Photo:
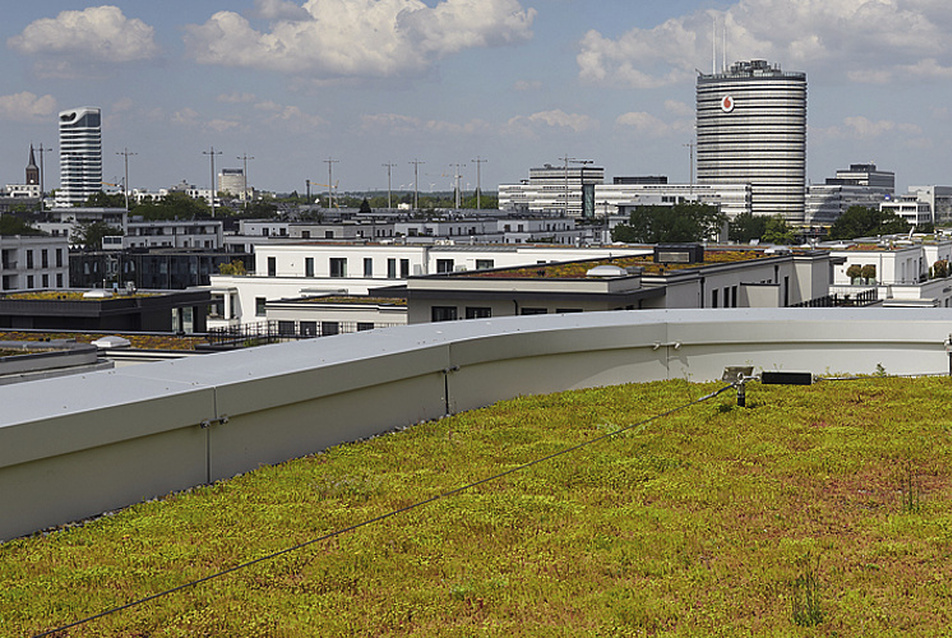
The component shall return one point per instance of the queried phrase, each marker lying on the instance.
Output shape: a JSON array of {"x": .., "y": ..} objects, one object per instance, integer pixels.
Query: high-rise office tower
[
  {"x": 752, "y": 129},
  {"x": 80, "y": 138}
]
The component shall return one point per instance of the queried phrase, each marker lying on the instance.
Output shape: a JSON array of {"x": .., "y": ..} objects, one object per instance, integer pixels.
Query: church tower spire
[{"x": 32, "y": 170}]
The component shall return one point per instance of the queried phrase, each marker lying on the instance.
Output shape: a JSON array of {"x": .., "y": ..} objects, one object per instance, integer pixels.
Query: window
[
  {"x": 478, "y": 312},
  {"x": 305, "y": 234},
  {"x": 368, "y": 267},
  {"x": 329, "y": 328},
  {"x": 733, "y": 296},
  {"x": 44, "y": 258},
  {"x": 714, "y": 298},
  {"x": 533, "y": 311},
  {"x": 404, "y": 268},
  {"x": 443, "y": 313},
  {"x": 29, "y": 281},
  {"x": 338, "y": 266},
  {"x": 444, "y": 265},
  {"x": 286, "y": 328},
  {"x": 59, "y": 280},
  {"x": 259, "y": 306},
  {"x": 308, "y": 266},
  {"x": 272, "y": 266},
  {"x": 391, "y": 269},
  {"x": 29, "y": 259},
  {"x": 328, "y": 234},
  {"x": 485, "y": 264},
  {"x": 46, "y": 281},
  {"x": 567, "y": 310},
  {"x": 364, "y": 325},
  {"x": 308, "y": 328}
]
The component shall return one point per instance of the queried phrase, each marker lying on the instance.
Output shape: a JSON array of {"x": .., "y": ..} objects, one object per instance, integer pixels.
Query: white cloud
[
  {"x": 97, "y": 34},
  {"x": 357, "y": 38},
  {"x": 395, "y": 124},
  {"x": 679, "y": 108},
  {"x": 862, "y": 40},
  {"x": 557, "y": 118},
  {"x": 26, "y": 107},
  {"x": 642, "y": 122},
  {"x": 859, "y": 127},
  {"x": 280, "y": 10},
  {"x": 237, "y": 98}
]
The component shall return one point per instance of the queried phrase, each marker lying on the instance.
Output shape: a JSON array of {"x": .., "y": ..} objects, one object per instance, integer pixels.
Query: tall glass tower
[
  {"x": 80, "y": 139},
  {"x": 752, "y": 129}
]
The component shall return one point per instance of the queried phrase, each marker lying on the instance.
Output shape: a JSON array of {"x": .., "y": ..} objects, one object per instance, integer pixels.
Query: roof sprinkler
[{"x": 739, "y": 376}]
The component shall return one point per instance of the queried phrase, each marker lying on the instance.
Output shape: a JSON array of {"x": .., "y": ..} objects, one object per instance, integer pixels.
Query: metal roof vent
[
  {"x": 112, "y": 341},
  {"x": 98, "y": 293},
  {"x": 607, "y": 270}
]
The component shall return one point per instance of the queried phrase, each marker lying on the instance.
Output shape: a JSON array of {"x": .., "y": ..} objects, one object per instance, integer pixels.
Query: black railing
[
  {"x": 264, "y": 332},
  {"x": 836, "y": 300}
]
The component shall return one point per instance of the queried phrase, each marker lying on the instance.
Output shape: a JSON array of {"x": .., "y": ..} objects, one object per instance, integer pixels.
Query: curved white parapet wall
[{"x": 77, "y": 446}]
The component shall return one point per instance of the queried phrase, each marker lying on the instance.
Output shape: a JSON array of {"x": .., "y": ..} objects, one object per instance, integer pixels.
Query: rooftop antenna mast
[
  {"x": 724, "y": 47},
  {"x": 714, "y": 48}
]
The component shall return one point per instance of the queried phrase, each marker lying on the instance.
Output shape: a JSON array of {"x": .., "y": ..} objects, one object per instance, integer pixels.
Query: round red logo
[{"x": 727, "y": 104}]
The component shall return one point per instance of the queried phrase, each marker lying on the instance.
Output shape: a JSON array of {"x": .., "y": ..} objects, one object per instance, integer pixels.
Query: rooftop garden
[
  {"x": 351, "y": 299},
  {"x": 578, "y": 269},
  {"x": 815, "y": 511},
  {"x": 138, "y": 341},
  {"x": 70, "y": 295}
]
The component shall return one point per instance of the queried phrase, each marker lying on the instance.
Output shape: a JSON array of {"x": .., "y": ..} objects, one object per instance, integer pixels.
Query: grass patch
[{"x": 823, "y": 510}]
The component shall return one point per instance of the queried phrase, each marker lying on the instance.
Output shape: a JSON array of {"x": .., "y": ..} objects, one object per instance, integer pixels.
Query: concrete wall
[{"x": 73, "y": 447}]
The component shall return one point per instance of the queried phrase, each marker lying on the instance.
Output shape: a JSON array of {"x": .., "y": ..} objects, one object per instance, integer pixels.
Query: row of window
[
  {"x": 338, "y": 267},
  {"x": 451, "y": 313},
  {"x": 44, "y": 258},
  {"x": 45, "y": 281}
]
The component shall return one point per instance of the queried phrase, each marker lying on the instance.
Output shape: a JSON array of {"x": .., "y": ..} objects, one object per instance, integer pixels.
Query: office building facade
[
  {"x": 80, "y": 139},
  {"x": 752, "y": 129}
]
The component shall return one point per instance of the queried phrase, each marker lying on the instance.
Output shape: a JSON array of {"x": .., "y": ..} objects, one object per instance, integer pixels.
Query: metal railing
[{"x": 275, "y": 331}]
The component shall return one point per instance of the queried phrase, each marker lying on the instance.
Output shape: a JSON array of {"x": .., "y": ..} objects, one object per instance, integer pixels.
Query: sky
[{"x": 358, "y": 84}]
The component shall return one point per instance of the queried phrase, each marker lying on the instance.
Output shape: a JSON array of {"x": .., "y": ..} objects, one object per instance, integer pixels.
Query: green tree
[
  {"x": 105, "y": 200},
  {"x": 236, "y": 267},
  {"x": 778, "y": 231},
  {"x": 175, "y": 205},
  {"x": 746, "y": 227},
  {"x": 860, "y": 221},
  {"x": 90, "y": 234},
  {"x": 13, "y": 225},
  {"x": 365, "y": 207},
  {"x": 666, "y": 224}
]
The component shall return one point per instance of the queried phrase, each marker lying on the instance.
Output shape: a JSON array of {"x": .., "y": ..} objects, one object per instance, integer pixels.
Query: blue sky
[{"x": 516, "y": 82}]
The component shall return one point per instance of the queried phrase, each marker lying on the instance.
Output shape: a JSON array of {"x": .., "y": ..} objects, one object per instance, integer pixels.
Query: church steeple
[{"x": 32, "y": 170}]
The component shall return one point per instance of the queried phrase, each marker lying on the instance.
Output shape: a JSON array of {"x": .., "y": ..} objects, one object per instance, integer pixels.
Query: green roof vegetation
[
  {"x": 578, "y": 269},
  {"x": 343, "y": 299},
  {"x": 826, "y": 505},
  {"x": 71, "y": 295},
  {"x": 137, "y": 340}
]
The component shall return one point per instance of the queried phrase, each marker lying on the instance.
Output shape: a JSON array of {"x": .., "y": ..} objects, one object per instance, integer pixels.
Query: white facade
[
  {"x": 731, "y": 199},
  {"x": 231, "y": 181},
  {"x": 551, "y": 190},
  {"x": 910, "y": 209},
  {"x": 33, "y": 263},
  {"x": 80, "y": 139},
  {"x": 290, "y": 271},
  {"x": 31, "y": 191},
  {"x": 939, "y": 199},
  {"x": 902, "y": 271},
  {"x": 826, "y": 202},
  {"x": 174, "y": 234}
]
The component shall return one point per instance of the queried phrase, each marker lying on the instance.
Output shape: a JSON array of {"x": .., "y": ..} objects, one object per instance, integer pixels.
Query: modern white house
[
  {"x": 33, "y": 262},
  {"x": 904, "y": 271},
  {"x": 301, "y": 269}
]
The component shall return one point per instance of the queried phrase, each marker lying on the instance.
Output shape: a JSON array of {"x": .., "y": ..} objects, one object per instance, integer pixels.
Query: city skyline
[{"x": 516, "y": 82}]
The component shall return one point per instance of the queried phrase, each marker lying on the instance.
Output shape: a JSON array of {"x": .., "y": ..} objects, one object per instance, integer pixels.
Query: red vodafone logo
[{"x": 727, "y": 104}]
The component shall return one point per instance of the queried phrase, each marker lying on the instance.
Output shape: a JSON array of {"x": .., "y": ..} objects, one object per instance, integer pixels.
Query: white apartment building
[
  {"x": 902, "y": 271},
  {"x": 910, "y": 208},
  {"x": 553, "y": 190},
  {"x": 939, "y": 199},
  {"x": 294, "y": 270},
  {"x": 731, "y": 199},
  {"x": 174, "y": 234},
  {"x": 33, "y": 263}
]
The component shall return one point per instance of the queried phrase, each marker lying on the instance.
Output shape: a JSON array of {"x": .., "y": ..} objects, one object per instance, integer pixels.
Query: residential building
[
  {"x": 670, "y": 277},
  {"x": 149, "y": 268},
  {"x": 30, "y": 262},
  {"x": 939, "y": 199},
  {"x": 321, "y": 316},
  {"x": 80, "y": 140},
  {"x": 166, "y": 233},
  {"x": 730, "y": 199},
  {"x": 751, "y": 129},
  {"x": 910, "y": 208}
]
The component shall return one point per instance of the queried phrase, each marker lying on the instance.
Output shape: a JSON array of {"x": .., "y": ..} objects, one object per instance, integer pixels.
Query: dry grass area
[{"x": 819, "y": 511}]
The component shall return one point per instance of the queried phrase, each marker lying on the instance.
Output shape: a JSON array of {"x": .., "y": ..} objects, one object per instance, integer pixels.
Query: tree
[
  {"x": 778, "y": 231},
  {"x": 365, "y": 207},
  {"x": 854, "y": 271},
  {"x": 236, "y": 267},
  {"x": 13, "y": 225},
  {"x": 684, "y": 222},
  {"x": 90, "y": 234},
  {"x": 868, "y": 273},
  {"x": 940, "y": 269},
  {"x": 746, "y": 227},
  {"x": 860, "y": 221},
  {"x": 106, "y": 200},
  {"x": 175, "y": 205}
]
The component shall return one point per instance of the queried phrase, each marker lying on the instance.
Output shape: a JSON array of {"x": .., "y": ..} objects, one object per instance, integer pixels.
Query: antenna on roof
[
  {"x": 724, "y": 48},
  {"x": 714, "y": 47}
]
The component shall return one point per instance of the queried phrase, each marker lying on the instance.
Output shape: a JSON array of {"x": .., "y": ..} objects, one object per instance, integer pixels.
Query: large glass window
[
  {"x": 473, "y": 312},
  {"x": 444, "y": 265},
  {"x": 338, "y": 266},
  {"x": 368, "y": 267},
  {"x": 391, "y": 268},
  {"x": 329, "y": 328},
  {"x": 443, "y": 313},
  {"x": 404, "y": 268},
  {"x": 485, "y": 264},
  {"x": 259, "y": 306},
  {"x": 308, "y": 266},
  {"x": 272, "y": 266}
]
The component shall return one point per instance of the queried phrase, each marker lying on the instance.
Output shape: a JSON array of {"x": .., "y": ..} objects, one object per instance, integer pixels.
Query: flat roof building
[{"x": 80, "y": 138}]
